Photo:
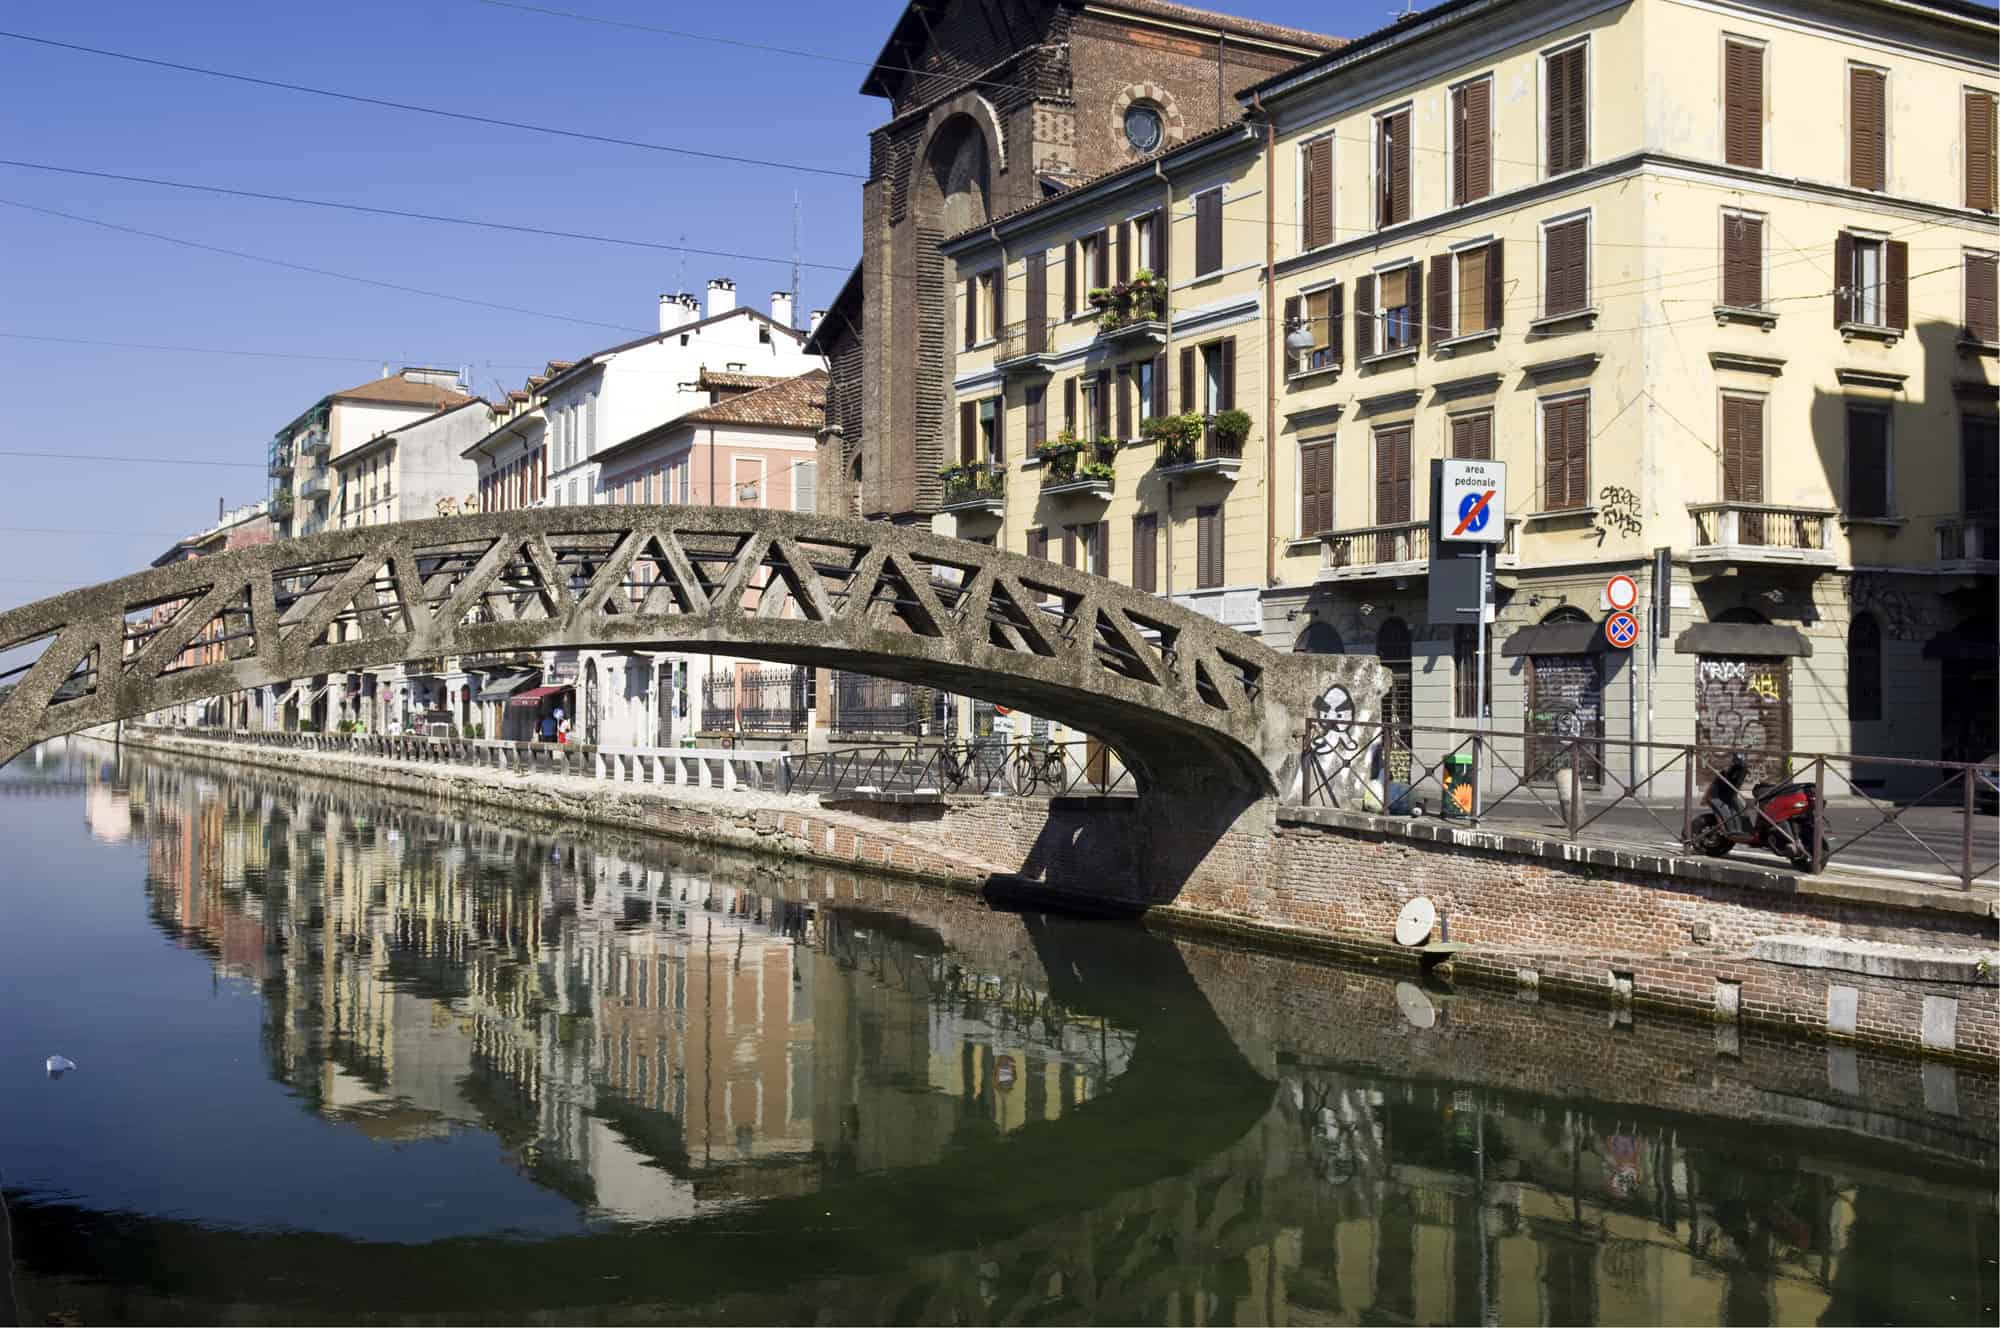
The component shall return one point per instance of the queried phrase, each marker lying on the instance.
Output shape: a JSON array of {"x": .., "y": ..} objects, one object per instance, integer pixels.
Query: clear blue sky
[{"x": 64, "y": 278}]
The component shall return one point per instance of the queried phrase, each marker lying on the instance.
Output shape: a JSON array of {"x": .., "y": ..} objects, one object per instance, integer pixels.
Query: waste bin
[{"x": 1458, "y": 783}]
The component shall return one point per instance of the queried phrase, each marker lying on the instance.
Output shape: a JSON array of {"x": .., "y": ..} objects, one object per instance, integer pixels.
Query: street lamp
[{"x": 1299, "y": 338}]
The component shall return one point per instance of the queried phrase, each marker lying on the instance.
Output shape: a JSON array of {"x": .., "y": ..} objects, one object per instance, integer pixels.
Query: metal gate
[
  {"x": 1565, "y": 702},
  {"x": 1743, "y": 703}
]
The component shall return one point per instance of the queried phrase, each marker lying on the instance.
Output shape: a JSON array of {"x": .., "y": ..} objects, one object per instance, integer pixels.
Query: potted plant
[
  {"x": 1097, "y": 470},
  {"x": 1059, "y": 456},
  {"x": 1231, "y": 428},
  {"x": 1174, "y": 435}
]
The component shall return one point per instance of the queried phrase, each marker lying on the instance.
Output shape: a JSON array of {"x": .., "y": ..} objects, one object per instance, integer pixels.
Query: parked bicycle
[{"x": 1041, "y": 767}]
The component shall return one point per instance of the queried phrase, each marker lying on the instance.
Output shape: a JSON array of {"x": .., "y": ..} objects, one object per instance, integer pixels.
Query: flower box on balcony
[
  {"x": 974, "y": 487},
  {"x": 1131, "y": 308}
]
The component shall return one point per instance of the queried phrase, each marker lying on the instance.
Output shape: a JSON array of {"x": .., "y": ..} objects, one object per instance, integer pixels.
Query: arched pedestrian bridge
[{"x": 1188, "y": 704}]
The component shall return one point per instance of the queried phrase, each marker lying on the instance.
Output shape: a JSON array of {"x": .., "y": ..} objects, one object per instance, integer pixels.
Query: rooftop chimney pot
[{"x": 721, "y": 296}]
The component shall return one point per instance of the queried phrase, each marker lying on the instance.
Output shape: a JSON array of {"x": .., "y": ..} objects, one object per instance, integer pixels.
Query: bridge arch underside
[{"x": 1186, "y": 703}]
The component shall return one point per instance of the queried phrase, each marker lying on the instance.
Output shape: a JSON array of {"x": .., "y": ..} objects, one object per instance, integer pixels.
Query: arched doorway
[
  {"x": 1319, "y": 638},
  {"x": 1565, "y": 713},
  {"x": 1392, "y": 645}
]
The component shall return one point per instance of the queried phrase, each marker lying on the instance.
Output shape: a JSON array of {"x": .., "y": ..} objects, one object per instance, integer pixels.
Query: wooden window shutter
[
  {"x": 1158, "y": 405},
  {"x": 1555, "y": 453},
  {"x": 1227, "y": 396},
  {"x": 1567, "y": 114},
  {"x": 1294, "y": 310},
  {"x": 1392, "y": 476},
  {"x": 1208, "y": 232},
  {"x": 1440, "y": 320},
  {"x": 1124, "y": 390},
  {"x": 1100, "y": 415},
  {"x": 1069, "y": 546},
  {"x": 1100, "y": 558},
  {"x": 1981, "y": 190},
  {"x": 1866, "y": 122},
  {"x": 1037, "y": 312},
  {"x": 1472, "y": 152},
  {"x": 1472, "y": 437},
  {"x": 1319, "y": 192},
  {"x": 1566, "y": 284},
  {"x": 1399, "y": 179},
  {"x": 1069, "y": 280},
  {"x": 999, "y": 428},
  {"x": 1038, "y": 418},
  {"x": 1208, "y": 546},
  {"x": 999, "y": 300},
  {"x": 1100, "y": 260},
  {"x": 1982, "y": 297},
  {"x": 1315, "y": 488},
  {"x": 1069, "y": 405},
  {"x": 1897, "y": 297},
  {"x": 1496, "y": 285},
  {"x": 1458, "y": 145},
  {"x": 1843, "y": 278},
  {"x": 1867, "y": 463},
  {"x": 1038, "y": 543},
  {"x": 1364, "y": 316},
  {"x": 1743, "y": 261},
  {"x": 1187, "y": 379},
  {"x": 971, "y": 311},
  {"x": 1124, "y": 251},
  {"x": 1978, "y": 464},
  {"x": 1742, "y": 450},
  {"x": 1145, "y": 551},
  {"x": 1743, "y": 104},
  {"x": 1576, "y": 433},
  {"x": 968, "y": 431},
  {"x": 1163, "y": 229}
]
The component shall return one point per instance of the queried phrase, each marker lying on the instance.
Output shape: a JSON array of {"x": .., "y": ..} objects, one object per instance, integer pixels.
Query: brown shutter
[
  {"x": 1472, "y": 437},
  {"x": 1100, "y": 415},
  {"x": 1100, "y": 561},
  {"x": 1334, "y": 329},
  {"x": 968, "y": 432},
  {"x": 1978, "y": 464},
  {"x": 1227, "y": 396},
  {"x": 1158, "y": 405},
  {"x": 1294, "y": 307},
  {"x": 1319, "y": 192},
  {"x": 1163, "y": 228},
  {"x": 1982, "y": 298},
  {"x": 1843, "y": 278},
  {"x": 1000, "y": 300},
  {"x": 999, "y": 428},
  {"x": 1399, "y": 179},
  {"x": 1187, "y": 379},
  {"x": 1038, "y": 418},
  {"x": 1576, "y": 433},
  {"x": 1865, "y": 123},
  {"x": 1496, "y": 285},
  {"x": 1980, "y": 186},
  {"x": 1897, "y": 311},
  {"x": 1578, "y": 108},
  {"x": 1124, "y": 251},
  {"x": 1038, "y": 543},
  {"x": 1567, "y": 113},
  {"x": 1208, "y": 546},
  {"x": 1743, "y": 261},
  {"x": 1124, "y": 390},
  {"x": 1867, "y": 462},
  {"x": 1315, "y": 488},
  {"x": 1459, "y": 146},
  {"x": 1743, "y": 104},
  {"x": 1069, "y": 280},
  {"x": 1100, "y": 260},
  {"x": 1037, "y": 312},
  {"x": 1145, "y": 551},
  {"x": 1069, "y": 546},
  {"x": 1069, "y": 405},
  {"x": 1414, "y": 298},
  {"x": 1441, "y": 326},
  {"x": 1476, "y": 133},
  {"x": 1555, "y": 451},
  {"x": 1742, "y": 450},
  {"x": 1565, "y": 284},
  {"x": 1208, "y": 232},
  {"x": 971, "y": 311},
  {"x": 1364, "y": 316},
  {"x": 1392, "y": 475}
]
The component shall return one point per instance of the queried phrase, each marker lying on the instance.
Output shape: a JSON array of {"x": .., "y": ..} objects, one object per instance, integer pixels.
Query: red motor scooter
[{"x": 1779, "y": 817}]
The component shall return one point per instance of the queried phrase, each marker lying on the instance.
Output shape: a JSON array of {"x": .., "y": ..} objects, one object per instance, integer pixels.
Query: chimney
[
  {"x": 690, "y": 308},
  {"x": 670, "y": 312},
  {"x": 781, "y": 308},
  {"x": 812, "y": 321},
  {"x": 721, "y": 296}
]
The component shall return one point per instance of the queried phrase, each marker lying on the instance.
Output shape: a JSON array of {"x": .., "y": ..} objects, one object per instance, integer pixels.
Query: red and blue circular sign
[{"x": 1621, "y": 629}]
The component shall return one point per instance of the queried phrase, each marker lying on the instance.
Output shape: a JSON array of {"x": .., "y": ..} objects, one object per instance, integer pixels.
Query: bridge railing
[
  {"x": 1570, "y": 782},
  {"x": 992, "y": 768}
]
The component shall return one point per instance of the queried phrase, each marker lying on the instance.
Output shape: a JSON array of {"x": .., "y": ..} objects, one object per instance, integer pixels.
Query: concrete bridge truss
[{"x": 1185, "y": 701}]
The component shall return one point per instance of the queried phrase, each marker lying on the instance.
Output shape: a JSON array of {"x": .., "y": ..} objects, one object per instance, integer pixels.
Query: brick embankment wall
[{"x": 1612, "y": 928}]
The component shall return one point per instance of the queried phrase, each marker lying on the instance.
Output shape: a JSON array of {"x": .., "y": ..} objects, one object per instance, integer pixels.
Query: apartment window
[
  {"x": 1392, "y": 475},
  {"x": 1466, "y": 290},
  {"x": 1321, "y": 313},
  {"x": 1979, "y": 465},
  {"x": 1208, "y": 376},
  {"x": 1069, "y": 405},
  {"x": 1208, "y": 232},
  {"x": 1743, "y": 103},
  {"x": 1742, "y": 259},
  {"x": 1982, "y": 297},
  {"x": 1565, "y": 266},
  {"x": 1867, "y": 127},
  {"x": 1315, "y": 487},
  {"x": 1392, "y": 167},
  {"x": 1208, "y": 560},
  {"x": 1874, "y": 273},
  {"x": 1472, "y": 436},
  {"x": 1038, "y": 416},
  {"x": 590, "y": 425},
  {"x": 1867, "y": 461},
  {"x": 1149, "y": 252},
  {"x": 1122, "y": 386},
  {"x": 1146, "y": 386},
  {"x": 1465, "y": 662},
  {"x": 1098, "y": 389},
  {"x": 969, "y": 430},
  {"x": 1146, "y": 551},
  {"x": 1075, "y": 255},
  {"x": 1864, "y": 669},
  {"x": 1471, "y": 141},
  {"x": 989, "y": 430},
  {"x": 1316, "y": 191},
  {"x": 1566, "y": 122},
  {"x": 1743, "y": 459},
  {"x": 1398, "y": 293},
  {"x": 1095, "y": 537},
  {"x": 1980, "y": 175},
  {"x": 1038, "y": 543},
  {"x": 1566, "y": 453},
  {"x": 981, "y": 307}
]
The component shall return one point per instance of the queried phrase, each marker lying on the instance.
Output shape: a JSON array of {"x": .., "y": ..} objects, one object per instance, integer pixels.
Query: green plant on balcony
[
  {"x": 1101, "y": 470},
  {"x": 970, "y": 480},
  {"x": 1175, "y": 437},
  {"x": 1143, "y": 299},
  {"x": 1059, "y": 455},
  {"x": 1230, "y": 428}
]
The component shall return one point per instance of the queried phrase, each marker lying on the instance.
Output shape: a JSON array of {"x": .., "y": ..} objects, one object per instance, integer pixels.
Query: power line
[
  {"x": 412, "y": 216},
  {"x": 412, "y": 108},
  {"x": 316, "y": 271},
  {"x": 682, "y": 33},
  {"x": 194, "y": 350}
]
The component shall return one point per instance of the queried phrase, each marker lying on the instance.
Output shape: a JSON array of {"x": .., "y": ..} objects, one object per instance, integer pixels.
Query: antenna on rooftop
[
  {"x": 681, "y": 276},
  {"x": 798, "y": 298}
]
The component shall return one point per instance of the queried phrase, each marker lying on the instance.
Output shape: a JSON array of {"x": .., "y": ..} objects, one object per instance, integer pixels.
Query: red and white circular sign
[{"x": 1621, "y": 592}]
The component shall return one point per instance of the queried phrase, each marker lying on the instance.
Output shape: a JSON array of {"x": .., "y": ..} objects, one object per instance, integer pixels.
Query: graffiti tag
[{"x": 1617, "y": 509}]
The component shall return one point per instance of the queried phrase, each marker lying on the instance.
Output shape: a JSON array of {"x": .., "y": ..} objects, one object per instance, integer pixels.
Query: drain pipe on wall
[{"x": 1270, "y": 342}]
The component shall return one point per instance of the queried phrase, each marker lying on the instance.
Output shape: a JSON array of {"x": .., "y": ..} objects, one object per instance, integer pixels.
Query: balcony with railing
[
  {"x": 1970, "y": 539},
  {"x": 1025, "y": 347},
  {"x": 314, "y": 443},
  {"x": 280, "y": 463},
  {"x": 1191, "y": 445},
  {"x": 1071, "y": 466},
  {"x": 1401, "y": 548},
  {"x": 316, "y": 486},
  {"x": 1762, "y": 532},
  {"x": 974, "y": 487},
  {"x": 1132, "y": 311}
]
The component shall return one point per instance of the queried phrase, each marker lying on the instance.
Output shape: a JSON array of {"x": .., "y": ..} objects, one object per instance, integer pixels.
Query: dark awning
[
  {"x": 502, "y": 686},
  {"x": 534, "y": 695},
  {"x": 1570, "y": 638},
  {"x": 1742, "y": 639}
]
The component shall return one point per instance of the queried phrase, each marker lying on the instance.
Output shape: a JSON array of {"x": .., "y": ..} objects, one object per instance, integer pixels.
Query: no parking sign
[{"x": 1621, "y": 629}]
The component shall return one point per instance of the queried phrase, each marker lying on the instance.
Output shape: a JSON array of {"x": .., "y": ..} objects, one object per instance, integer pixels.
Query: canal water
[{"x": 344, "y": 1056}]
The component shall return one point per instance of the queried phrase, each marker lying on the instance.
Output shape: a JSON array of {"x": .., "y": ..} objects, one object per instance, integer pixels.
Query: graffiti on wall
[
  {"x": 1741, "y": 706},
  {"x": 1343, "y": 752},
  {"x": 1617, "y": 509}
]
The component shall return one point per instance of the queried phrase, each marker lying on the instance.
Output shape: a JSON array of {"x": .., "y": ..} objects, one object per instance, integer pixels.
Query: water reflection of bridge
[{"x": 592, "y": 1023}]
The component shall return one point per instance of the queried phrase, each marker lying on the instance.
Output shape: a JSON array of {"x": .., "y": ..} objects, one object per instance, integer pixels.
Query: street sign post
[
  {"x": 1621, "y": 629},
  {"x": 1621, "y": 593},
  {"x": 1472, "y": 509}
]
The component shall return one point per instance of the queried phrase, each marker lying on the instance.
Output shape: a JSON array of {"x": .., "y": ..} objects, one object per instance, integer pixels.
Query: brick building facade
[{"x": 996, "y": 104}]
